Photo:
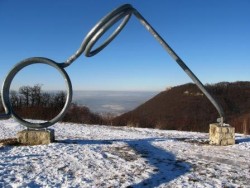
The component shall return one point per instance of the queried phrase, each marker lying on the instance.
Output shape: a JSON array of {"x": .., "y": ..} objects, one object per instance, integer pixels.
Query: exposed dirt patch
[{"x": 9, "y": 142}]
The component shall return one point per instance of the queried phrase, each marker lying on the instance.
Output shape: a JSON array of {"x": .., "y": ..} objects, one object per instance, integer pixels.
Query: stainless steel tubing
[
  {"x": 6, "y": 91},
  {"x": 99, "y": 29},
  {"x": 123, "y": 12}
]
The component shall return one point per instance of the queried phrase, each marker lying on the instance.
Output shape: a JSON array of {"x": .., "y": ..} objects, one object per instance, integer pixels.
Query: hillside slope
[{"x": 186, "y": 108}]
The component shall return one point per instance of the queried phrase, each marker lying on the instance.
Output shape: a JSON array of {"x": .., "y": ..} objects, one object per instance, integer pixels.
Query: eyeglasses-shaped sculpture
[{"x": 123, "y": 13}]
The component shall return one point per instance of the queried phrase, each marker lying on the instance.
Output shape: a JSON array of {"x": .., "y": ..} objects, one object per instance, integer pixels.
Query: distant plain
[{"x": 115, "y": 102}]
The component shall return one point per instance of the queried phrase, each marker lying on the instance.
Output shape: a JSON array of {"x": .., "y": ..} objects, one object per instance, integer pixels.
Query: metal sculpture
[{"x": 123, "y": 12}]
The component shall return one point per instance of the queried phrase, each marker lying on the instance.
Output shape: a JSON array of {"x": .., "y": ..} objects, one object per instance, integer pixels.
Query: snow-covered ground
[{"x": 103, "y": 156}]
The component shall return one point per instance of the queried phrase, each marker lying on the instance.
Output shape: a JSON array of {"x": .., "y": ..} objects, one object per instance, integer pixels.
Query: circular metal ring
[
  {"x": 103, "y": 25},
  {"x": 12, "y": 74}
]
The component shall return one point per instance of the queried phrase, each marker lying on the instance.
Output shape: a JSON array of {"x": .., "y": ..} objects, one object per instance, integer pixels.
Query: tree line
[
  {"x": 33, "y": 96},
  {"x": 32, "y": 102}
]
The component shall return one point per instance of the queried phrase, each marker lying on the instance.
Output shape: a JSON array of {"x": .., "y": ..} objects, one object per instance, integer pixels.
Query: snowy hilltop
[{"x": 104, "y": 156}]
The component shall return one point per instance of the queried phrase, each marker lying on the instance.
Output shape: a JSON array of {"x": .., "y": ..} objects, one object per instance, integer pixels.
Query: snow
[{"x": 105, "y": 156}]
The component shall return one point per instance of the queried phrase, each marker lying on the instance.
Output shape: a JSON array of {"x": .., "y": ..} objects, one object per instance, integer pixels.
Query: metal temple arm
[{"x": 179, "y": 61}]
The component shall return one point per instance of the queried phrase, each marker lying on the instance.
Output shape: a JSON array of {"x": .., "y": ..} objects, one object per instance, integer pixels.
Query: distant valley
[{"x": 115, "y": 102}]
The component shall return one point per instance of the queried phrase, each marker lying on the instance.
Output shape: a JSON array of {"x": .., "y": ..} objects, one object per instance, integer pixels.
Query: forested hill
[{"x": 185, "y": 107}]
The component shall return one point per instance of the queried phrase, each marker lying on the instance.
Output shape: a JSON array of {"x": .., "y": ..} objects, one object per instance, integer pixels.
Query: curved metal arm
[
  {"x": 125, "y": 11},
  {"x": 99, "y": 29}
]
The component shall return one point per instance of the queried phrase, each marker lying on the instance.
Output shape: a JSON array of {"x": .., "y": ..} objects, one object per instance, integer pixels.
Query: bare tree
[
  {"x": 107, "y": 118},
  {"x": 59, "y": 99},
  {"x": 26, "y": 92},
  {"x": 36, "y": 95},
  {"x": 246, "y": 128},
  {"x": 14, "y": 98},
  {"x": 45, "y": 99}
]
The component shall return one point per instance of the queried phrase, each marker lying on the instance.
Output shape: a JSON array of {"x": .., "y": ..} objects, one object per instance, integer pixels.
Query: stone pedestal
[
  {"x": 36, "y": 137},
  {"x": 221, "y": 135}
]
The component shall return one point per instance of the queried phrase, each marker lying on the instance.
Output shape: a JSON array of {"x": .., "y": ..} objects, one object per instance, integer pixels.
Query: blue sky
[{"x": 212, "y": 37}]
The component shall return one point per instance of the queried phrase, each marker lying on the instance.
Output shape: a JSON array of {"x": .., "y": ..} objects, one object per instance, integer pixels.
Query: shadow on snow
[
  {"x": 242, "y": 139},
  {"x": 167, "y": 167}
]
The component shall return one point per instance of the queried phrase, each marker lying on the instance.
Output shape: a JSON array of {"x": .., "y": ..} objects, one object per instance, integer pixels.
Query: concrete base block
[
  {"x": 36, "y": 137},
  {"x": 221, "y": 135}
]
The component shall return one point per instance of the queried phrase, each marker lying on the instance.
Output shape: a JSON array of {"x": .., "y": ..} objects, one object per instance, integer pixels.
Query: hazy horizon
[
  {"x": 108, "y": 102},
  {"x": 115, "y": 102}
]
